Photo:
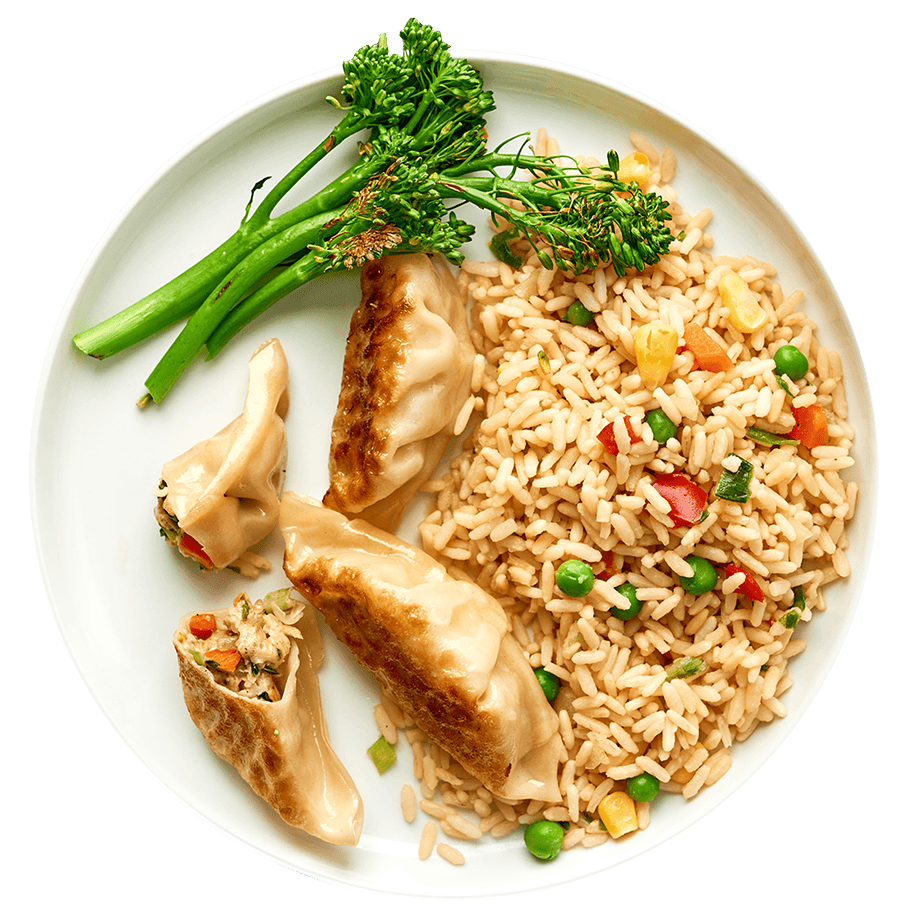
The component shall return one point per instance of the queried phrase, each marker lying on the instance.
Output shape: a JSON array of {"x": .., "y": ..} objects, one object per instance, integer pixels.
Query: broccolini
[{"x": 424, "y": 153}]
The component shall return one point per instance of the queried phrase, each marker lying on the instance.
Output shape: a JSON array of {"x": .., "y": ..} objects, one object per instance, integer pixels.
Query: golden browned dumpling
[
  {"x": 220, "y": 498},
  {"x": 407, "y": 374},
  {"x": 439, "y": 645},
  {"x": 249, "y": 677}
]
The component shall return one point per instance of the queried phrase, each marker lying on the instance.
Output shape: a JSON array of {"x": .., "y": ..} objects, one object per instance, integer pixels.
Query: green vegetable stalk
[{"x": 423, "y": 153}]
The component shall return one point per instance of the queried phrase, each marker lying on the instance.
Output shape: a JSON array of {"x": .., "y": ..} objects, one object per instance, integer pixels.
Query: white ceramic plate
[{"x": 118, "y": 592}]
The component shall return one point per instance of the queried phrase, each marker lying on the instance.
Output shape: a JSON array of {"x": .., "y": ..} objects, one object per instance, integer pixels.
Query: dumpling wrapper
[
  {"x": 224, "y": 492},
  {"x": 440, "y": 646},
  {"x": 407, "y": 374},
  {"x": 281, "y": 748}
]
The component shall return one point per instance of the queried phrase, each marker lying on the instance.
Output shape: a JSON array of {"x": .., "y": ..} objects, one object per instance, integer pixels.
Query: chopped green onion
[
  {"x": 759, "y": 435},
  {"x": 735, "y": 485},
  {"x": 282, "y": 598},
  {"x": 197, "y": 657},
  {"x": 790, "y": 619},
  {"x": 544, "y": 362},
  {"x": 685, "y": 667},
  {"x": 382, "y": 754},
  {"x": 783, "y": 383},
  {"x": 799, "y": 604}
]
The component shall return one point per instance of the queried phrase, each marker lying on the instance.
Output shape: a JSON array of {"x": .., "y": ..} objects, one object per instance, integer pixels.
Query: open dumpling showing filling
[
  {"x": 221, "y": 497},
  {"x": 250, "y": 683},
  {"x": 407, "y": 374},
  {"x": 439, "y": 645}
]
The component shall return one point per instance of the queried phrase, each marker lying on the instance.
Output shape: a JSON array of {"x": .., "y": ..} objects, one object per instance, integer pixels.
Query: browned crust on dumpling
[
  {"x": 240, "y": 731},
  {"x": 369, "y": 382},
  {"x": 379, "y": 635}
]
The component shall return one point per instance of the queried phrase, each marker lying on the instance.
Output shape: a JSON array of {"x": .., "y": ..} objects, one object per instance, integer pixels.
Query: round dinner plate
[{"x": 118, "y": 592}]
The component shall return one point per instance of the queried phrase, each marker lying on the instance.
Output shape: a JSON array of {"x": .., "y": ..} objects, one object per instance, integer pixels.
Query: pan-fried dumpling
[
  {"x": 406, "y": 376},
  {"x": 221, "y": 497},
  {"x": 440, "y": 646},
  {"x": 249, "y": 677}
]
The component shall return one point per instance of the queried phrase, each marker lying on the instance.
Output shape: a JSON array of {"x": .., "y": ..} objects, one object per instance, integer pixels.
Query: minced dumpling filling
[{"x": 245, "y": 647}]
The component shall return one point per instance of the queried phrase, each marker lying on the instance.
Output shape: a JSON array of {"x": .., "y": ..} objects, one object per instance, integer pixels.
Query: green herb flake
[
  {"x": 382, "y": 754},
  {"x": 735, "y": 485},
  {"x": 499, "y": 246},
  {"x": 197, "y": 657},
  {"x": 685, "y": 667},
  {"x": 759, "y": 435},
  {"x": 790, "y": 619}
]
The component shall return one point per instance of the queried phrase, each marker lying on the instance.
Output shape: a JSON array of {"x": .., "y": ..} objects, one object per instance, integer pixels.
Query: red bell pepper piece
[
  {"x": 202, "y": 625},
  {"x": 192, "y": 548},
  {"x": 608, "y": 437},
  {"x": 686, "y": 499},
  {"x": 750, "y": 588},
  {"x": 607, "y": 568},
  {"x": 811, "y": 427}
]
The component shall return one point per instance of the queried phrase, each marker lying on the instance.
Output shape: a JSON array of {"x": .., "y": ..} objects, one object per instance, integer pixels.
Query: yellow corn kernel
[
  {"x": 744, "y": 311},
  {"x": 634, "y": 167},
  {"x": 618, "y": 813},
  {"x": 655, "y": 348}
]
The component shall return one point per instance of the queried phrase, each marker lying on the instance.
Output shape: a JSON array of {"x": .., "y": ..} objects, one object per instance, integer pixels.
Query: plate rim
[{"x": 58, "y": 341}]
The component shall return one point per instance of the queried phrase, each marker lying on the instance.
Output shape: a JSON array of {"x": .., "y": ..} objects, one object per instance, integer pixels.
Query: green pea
[
  {"x": 662, "y": 428},
  {"x": 703, "y": 577},
  {"x": 549, "y": 684},
  {"x": 643, "y": 787},
  {"x": 578, "y": 314},
  {"x": 544, "y": 838},
  {"x": 790, "y": 362},
  {"x": 627, "y": 613},
  {"x": 574, "y": 578}
]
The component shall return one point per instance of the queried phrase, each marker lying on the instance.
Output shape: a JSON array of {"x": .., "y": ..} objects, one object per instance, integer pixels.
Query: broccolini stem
[
  {"x": 225, "y": 295},
  {"x": 181, "y": 296},
  {"x": 290, "y": 279},
  {"x": 352, "y": 123},
  {"x": 155, "y": 312}
]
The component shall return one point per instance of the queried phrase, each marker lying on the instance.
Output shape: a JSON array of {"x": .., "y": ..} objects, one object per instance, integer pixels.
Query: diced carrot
[
  {"x": 226, "y": 658},
  {"x": 709, "y": 353},
  {"x": 811, "y": 427},
  {"x": 608, "y": 437},
  {"x": 202, "y": 625}
]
